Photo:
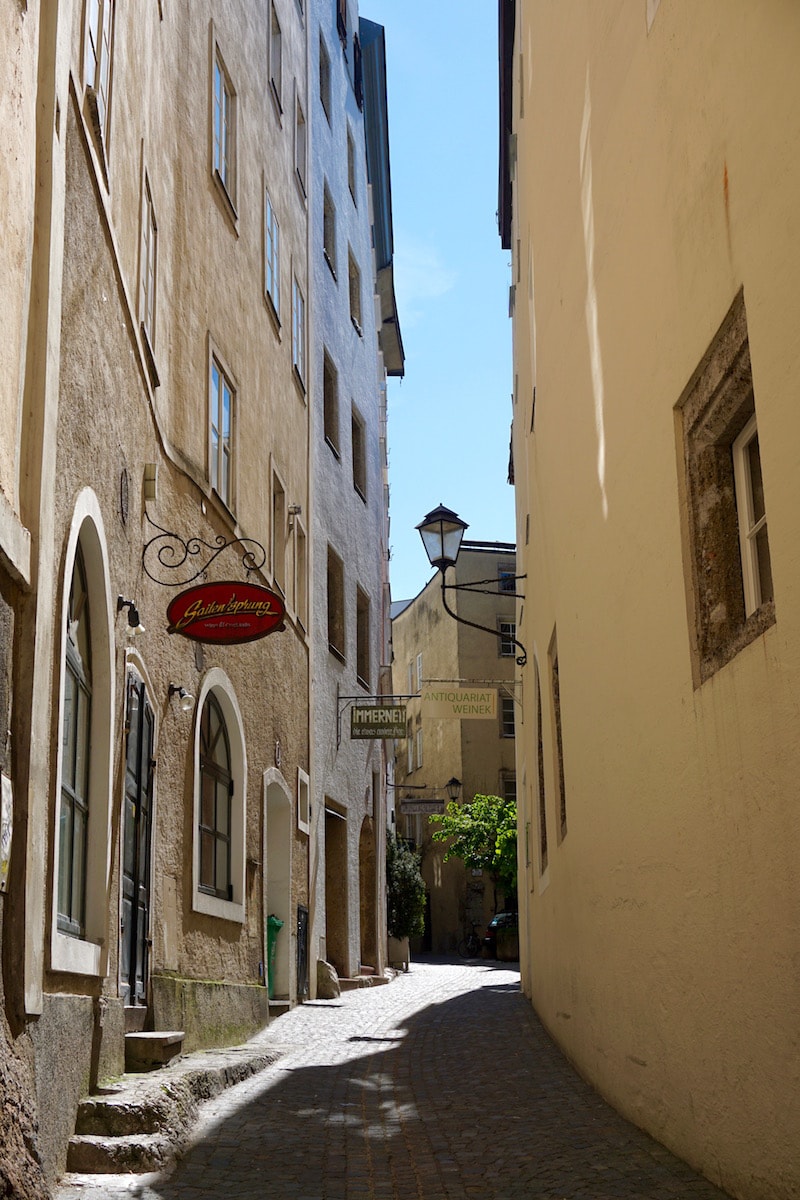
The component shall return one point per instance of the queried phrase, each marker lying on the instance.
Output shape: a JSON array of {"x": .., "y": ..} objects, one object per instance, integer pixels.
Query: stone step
[
  {"x": 145, "y": 1051},
  {"x": 94, "y": 1154},
  {"x": 135, "y": 1017}
]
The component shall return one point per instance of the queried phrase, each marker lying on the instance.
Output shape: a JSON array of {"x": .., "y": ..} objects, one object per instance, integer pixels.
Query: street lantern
[
  {"x": 453, "y": 788},
  {"x": 441, "y": 532}
]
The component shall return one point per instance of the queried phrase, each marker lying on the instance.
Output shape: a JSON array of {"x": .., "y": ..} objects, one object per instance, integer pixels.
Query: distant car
[{"x": 504, "y": 920}]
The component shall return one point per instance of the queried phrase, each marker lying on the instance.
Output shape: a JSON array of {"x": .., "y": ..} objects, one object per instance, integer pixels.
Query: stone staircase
[{"x": 142, "y": 1122}]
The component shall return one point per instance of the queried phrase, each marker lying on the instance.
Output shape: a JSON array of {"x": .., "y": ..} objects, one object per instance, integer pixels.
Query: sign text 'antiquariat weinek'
[{"x": 226, "y": 613}]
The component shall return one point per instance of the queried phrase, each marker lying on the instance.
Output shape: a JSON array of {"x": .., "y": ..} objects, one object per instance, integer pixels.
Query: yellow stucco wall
[{"x": 655, "y": 177}]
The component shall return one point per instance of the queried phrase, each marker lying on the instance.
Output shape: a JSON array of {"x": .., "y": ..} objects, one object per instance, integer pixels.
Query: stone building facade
[
  {"x": 649, "y": 203},
  {"x": 158, "y": 406},
  {"x": 432, "y": 650}
]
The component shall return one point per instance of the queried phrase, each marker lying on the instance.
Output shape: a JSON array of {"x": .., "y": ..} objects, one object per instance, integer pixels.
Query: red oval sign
[{"x": 229, "y": 612}]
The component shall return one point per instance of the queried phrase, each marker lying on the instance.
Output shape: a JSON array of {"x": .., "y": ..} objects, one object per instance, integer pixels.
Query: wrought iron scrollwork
[{"x": 168, "y": 552}]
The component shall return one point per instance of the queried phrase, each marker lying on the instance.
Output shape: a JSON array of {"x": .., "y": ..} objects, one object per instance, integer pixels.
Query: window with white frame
[
  {"x": 300, "y": 143},
  {"x": 276, "y": 58},
  {"x": 419, "y": 671},
  {"x": 83, "y": 798},
  {"x": 148, "y": 264},
  {"x": 221, "y": 402},
  {"x": 97, "y": 63},
  {"x": 272, "y": 261},
  {"x": 409, "y": 749},
  {"x": 506, "y": 577},
  {"x": 298, "y": 331},
  {"x": 224, "y": 128},
  {"x": 411, "y": 687},
  {"x": 753, "y": 543},
  {"x": 219, "y": 802},
  {"x": 279, "y": 531},
  {"x": 303, "y": 802},
  {"x": 508, "y": 632},
  {"x": 419, "y": 749}
]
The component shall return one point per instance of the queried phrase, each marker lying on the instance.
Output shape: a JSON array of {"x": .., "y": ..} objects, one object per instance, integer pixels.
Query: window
[
  {"x": 298, "y": 331},
  {"x": 330, "y": 403},
  {"x": 329, "y": 230},
  {"x": 301, "y": 574},
  {"x": 218, "y": 875},
  {"x": 278, "y": 534},
  {"x": 555, "y": 685},
  {"x": 325, "y": 77},
  {"x": 97, "y": 64},
  {"x": 411, "y": 688},
  {"x": 419, "y": 672},
  {"x": 351, "y": 164},
  {"x": 83, "y": 797},
  {"x": 419, "y": 749},
  {"x": 508, "y": 632},
  {"x": 354, "y": 276},
  {"x": 506, "y": 581},
  {"x": 303, "y": 802},
  {"x": 336, "y": 643},
  {"x": 76, "y": 756},
  {"x": 341, "y": 22},
  {"x": 362, "y": 638},
  {"x": 540, "y": 775},
  {"x": 221, "y": 433},
  {"x": 409, "y": 749},
  {"x": 726, "y": 550},
  {"x": 508, "y": 787},
  {"x": 276, "y": 58},
  {"x": 358, "y": 73},
  {"x": 359, "y": 438},
  {"x": 272, "y": 255},
  {"x": 753, "y": 544},
  {"x": 300, "y": 144},
  {"x": 216, "y": 792},
  {"x": 507, "y": 716},
  {"x": 148, "y": 262},
  {"x": 224, "y": 128}
]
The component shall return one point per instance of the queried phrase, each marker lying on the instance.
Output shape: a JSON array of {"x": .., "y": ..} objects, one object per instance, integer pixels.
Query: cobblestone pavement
[{"x": 442, "y": 1084}]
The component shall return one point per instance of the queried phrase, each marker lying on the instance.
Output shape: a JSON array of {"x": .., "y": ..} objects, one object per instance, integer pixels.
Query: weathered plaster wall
[{"x": 662, "y": 939}]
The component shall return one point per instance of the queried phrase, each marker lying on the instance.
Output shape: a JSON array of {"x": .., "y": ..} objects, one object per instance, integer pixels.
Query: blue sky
[{"x": 449, "y": 419}]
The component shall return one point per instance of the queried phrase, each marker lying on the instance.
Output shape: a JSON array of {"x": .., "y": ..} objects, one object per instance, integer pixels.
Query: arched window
[
  {"x": 216, "y": 793},
  {"x": 75, "y": 733}
]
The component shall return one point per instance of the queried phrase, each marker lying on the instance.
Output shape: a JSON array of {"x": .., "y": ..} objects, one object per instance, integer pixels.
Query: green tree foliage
[
  {"x": 483, "y": 833},
  {"x": 405, "y": 889}
]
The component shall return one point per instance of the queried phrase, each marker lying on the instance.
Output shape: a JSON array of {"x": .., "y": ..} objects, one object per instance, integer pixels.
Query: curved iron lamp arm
[{"x": 521, "y": 659}]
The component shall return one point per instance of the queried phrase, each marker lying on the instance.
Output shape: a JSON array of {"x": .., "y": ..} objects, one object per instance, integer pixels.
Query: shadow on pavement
[{"x": 470, "y": 1098}]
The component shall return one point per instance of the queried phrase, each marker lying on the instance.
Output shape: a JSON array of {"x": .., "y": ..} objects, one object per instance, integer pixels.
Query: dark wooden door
[{"x": 136, "y": 834}]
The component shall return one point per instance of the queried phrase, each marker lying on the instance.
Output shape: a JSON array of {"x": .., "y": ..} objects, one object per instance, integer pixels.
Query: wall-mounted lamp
[
  {"x": 441, "y": 532},
  {"x": 453, "y": 789},
  {"x": 134, "y": 623},
  {"x": 185, "y": 700}
]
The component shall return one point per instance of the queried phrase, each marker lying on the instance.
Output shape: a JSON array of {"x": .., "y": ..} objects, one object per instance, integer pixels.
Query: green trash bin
[{"x": 274, "y": 926}]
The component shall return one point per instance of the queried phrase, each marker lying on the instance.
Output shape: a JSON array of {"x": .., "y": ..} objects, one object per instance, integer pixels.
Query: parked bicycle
[{"x": 470, "y": 944}]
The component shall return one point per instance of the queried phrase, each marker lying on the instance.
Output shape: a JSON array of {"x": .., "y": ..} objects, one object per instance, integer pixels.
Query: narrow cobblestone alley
[{"x": 441, "y": 1085}]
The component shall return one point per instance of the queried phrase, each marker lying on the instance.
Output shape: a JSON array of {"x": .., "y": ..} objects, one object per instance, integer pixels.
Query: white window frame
[
  {"x": 749, "y": 527},
  {"x": 409, "y": 749},
  {"x": 87, "y": 955},
  {"x": 216, "y": 429},
  {"x": 508, "y": 728},
  {"x": 303, "y": 802},
  {"x": 298, "y": 330},
  {"x": 272, "y": 255},
  {"x": 97, "y": 53},
  {"x": 217, "y": 681},
  {"x": 223, "y": 125},
  {"x": 508, "y": 632},
  {"x": 148, "y": 264},
  {"x": 419, "y": 671},
  {"x": 419, "y": 748}
]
